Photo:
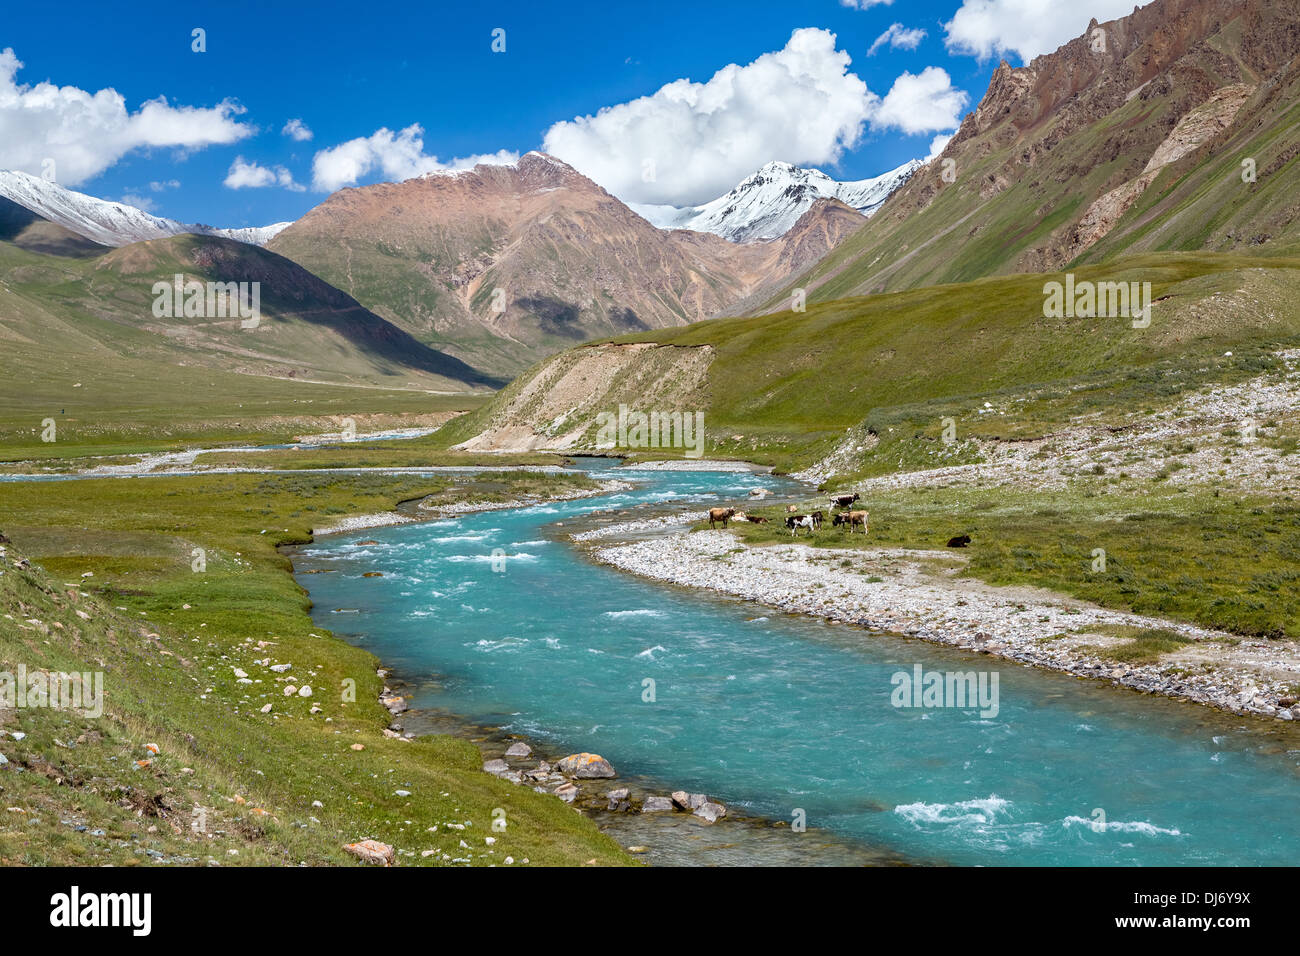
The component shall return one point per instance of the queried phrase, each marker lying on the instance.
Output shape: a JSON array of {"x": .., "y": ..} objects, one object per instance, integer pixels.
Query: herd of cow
[{"x": 794, "y": 522}]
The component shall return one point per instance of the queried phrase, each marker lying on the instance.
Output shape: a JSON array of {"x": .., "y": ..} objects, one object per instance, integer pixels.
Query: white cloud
[
  {"x": 85, "y": 133},
  {"x": 297, "y": 130},
  {"x": 864, "y": 4},
  {"x": 987, "y": 28},
  {"x": 252, "y": 175},
  {"x": 937, "y": 145},
  {"x": 899, "y": 37},
  {"x": 922, "y": 103},
  {"x": 165, "y": 184},
  {"x": 690, "y": 142},
  {"x": 397, "y": 156},
  {"x": 140, "y": 202}
]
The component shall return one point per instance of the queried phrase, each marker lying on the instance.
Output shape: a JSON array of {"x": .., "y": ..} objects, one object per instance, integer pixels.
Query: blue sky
[{"x": 348, "y": 71}]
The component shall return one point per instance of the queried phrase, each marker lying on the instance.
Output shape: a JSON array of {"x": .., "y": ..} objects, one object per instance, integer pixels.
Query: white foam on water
[
  {"x": 649, "y": 652},
  {"x": 1121, "y": 826},
  {"x": 639, "y": 612},
  {"x": 522, "y": 556},
  {"x": 983, "y": 811},
  {"x": 507, "y": 644}
]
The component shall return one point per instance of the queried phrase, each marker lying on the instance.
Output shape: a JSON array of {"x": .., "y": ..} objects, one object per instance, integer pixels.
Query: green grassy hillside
[
  {"x": 784, "y": 388},
  {"x": 112, "y": 588},
  {"x": 1027, "y": 167}
]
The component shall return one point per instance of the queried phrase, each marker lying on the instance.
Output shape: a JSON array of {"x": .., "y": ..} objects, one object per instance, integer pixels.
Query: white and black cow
[{"x": 795, "y": 522}]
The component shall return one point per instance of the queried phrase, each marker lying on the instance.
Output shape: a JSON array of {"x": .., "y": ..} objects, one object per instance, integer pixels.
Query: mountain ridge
[
  {"x": 111, "y": 223},
  {"x": 766, "y": 204},
  {"x": 1012, "y": 190},
  {"x": 504, "y": 264}
]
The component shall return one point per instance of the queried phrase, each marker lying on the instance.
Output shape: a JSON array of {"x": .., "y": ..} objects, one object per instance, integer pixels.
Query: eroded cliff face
[
  {"x": 1195, "y": 129},
  {"x": 556, "y": 407}
]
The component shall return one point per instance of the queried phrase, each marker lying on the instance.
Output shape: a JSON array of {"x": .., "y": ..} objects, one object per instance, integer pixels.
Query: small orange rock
[
  {"x": 372, "y": 851},
  {"x": 143, "y": 763}
]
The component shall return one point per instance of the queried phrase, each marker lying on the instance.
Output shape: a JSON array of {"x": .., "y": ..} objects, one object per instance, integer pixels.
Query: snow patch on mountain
[
  {"x": 769, "y": 202},
  {"x": 111, "y": 223}
]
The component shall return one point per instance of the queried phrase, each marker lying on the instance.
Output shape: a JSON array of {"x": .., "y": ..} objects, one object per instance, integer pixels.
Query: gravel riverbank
[{"x": 919, "y": 594}]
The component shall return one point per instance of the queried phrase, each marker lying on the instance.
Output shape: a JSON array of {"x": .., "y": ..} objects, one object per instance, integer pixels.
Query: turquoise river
[{"x": 774, "y": 714}]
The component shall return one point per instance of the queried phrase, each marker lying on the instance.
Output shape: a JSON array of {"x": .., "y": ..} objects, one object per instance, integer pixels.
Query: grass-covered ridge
[
  {"x": 784, "y": 388},
  {"x": 168, "y": 639}
]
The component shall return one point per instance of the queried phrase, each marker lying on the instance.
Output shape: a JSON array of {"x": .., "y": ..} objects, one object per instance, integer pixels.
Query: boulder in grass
[
  {"x": 497, "y": 767},
  {"x": 396, "y": 705},
  {"x": 586, "y": 766},
  {"x": 371, "y": 851}
]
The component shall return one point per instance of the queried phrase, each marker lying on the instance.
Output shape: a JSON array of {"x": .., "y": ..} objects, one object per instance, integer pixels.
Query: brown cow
[
  {"x": 755, "y": 519},
  {"x": 852, "y": 518},
  {"x": 721, "y": 514}
]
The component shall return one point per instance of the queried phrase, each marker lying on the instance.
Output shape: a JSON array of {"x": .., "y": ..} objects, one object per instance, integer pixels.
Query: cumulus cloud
[
  {"x": 397, "y": 156},
  {"x": 937, "y": 145},
  {"x": 689, "y": 142},
  {"x": 297, "y": 130},
  {"x": 140, "y": 202},
  {"x": 1027, "y": 28},
  {"x": 899, "y": 37},
  {"x": 922, "y": 103},
  {"x": 252, "y": 175},
  {"x": 864, "y": 4},
  {"x": 85, "y": 133}
]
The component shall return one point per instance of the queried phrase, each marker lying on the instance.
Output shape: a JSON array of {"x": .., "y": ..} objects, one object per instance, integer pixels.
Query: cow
[
  {"x": 791, "y": 508},
  {"x": 795, "y": 522},
  {"x": 721, "y": 514},
  {"x": 960, "y": 541},
  {"x": 755, "y": 519},
  {"x": 843, "y": 501},
  {"x": 818, "y": 517},
  {"x": 852, "y": 519}
]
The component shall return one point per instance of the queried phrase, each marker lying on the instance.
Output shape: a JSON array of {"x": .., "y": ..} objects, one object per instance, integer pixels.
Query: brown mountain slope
[
  {"x": 1129, "y": 138},
  {"x": 503, "y": 264}
]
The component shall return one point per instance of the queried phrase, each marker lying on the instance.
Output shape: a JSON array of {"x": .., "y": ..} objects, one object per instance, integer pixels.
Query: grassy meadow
[
  {"x": 1214, "y": 559},
  {"x": 168, "y": 639}
]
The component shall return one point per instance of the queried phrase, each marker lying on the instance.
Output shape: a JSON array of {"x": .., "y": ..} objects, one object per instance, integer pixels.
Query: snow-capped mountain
[
  {"x": 110, "y": 223},
  {"x": 769, "y": 202}
]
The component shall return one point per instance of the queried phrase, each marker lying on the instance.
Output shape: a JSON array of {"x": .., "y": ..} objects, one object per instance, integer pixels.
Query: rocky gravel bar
[{"x": 919, "y": 594}]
